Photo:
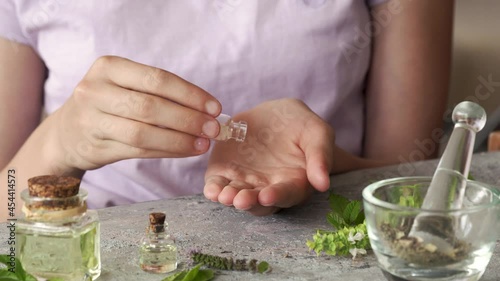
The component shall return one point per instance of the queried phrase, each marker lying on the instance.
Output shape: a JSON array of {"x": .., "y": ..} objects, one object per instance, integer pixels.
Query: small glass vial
[
  {"x": 230, "y": 129},
  {"x": 158, "y": 252},
  {"x": 58, "y": 237}
]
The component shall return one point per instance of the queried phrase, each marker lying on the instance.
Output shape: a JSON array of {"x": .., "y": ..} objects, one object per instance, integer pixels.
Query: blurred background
[{"x": 476, "y": 59}]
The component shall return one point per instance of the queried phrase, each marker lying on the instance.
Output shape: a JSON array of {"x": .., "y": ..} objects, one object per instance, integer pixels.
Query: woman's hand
[
  {"x": 122, "y": 109},
  {"x": 288, "y": 151}
]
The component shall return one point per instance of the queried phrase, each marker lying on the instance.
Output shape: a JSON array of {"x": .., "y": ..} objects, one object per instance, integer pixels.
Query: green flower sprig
[
  {"x": 350, "y": 235},
  {"x": 348, "y": 240}
]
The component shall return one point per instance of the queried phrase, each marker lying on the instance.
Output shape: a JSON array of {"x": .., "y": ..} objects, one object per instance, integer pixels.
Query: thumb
[{"x": 317, "y": 145}]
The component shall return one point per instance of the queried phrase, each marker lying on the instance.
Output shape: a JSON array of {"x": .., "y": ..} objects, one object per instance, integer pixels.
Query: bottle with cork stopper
[
  {"x": 158, "y": 252},
  {"x": 58, "y": 237}
]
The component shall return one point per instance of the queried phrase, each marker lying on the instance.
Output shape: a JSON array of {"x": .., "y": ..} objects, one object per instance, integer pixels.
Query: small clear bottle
[
  {"x": 230, "y": 129},
  {"x": 58, "y": 237},
  {"x": 158, "y": 252}
]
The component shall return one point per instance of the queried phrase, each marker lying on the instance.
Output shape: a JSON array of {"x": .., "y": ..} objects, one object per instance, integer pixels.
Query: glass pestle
[{"x": 446, "y": 190}]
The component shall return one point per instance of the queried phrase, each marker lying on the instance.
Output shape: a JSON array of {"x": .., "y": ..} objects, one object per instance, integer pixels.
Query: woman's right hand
[{"x": 122, "y": 109}]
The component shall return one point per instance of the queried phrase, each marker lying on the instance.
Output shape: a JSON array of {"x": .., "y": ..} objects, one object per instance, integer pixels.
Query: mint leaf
[
  {"x": 355, "y": 211},
  {"x": 193, "y": 274},
  {"x": 19, "y": 273},
  {"x": 6, "y": 275},
  {"x": 351, "y": 211},
  {"x": 179, "y": 276},
  {"x": 344, "y": 211},
  {"x": 350, "y": 235},
  {"x": 204, "y": 275},
  {"x": 336, "y": 220},
  {"x": 338, "y": 203}
]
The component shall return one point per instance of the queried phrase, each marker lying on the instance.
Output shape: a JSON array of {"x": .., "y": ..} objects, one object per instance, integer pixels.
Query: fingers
[
  {"x": 213, "y": 187},
  {"x": 284, "y": 194},
  {"x": 257, "y": 201},
  {"x": 147, "y": 79},
  {"x": 265, "y": 201},
  {"x": 231, "y": 195},
  {"x": 154, "y": 110},
  {"x": 245, "y": 199},
  {"x": 107, "y": 144},
  {"x": 111, "y": 151},
  {"x": 148, "y": 137},
  {"x": 150, "y": 113}
]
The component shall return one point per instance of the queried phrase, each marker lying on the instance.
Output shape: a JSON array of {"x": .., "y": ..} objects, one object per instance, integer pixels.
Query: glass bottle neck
[
  {"x": 157, "y": 228},
  {"x": 237, "y": 130},
  {"x": 230, "y": 129},
  {"x": 54, "y": 209}
]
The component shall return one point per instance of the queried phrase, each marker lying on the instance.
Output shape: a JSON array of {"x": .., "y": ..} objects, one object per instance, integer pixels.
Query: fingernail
[
  {"x": 201, "y": 144},
  {"x": 210, "y": 129},
  {"x": 212, "y": 107}
]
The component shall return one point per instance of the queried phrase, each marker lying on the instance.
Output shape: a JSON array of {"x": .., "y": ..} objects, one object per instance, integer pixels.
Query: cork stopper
[
  {"x": 157, "y": 222},
  {"x": 50, "y": 186},
  {"x": 53, "y": 193}
]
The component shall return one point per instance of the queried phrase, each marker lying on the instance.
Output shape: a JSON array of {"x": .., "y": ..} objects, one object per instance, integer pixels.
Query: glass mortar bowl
[{"x": 391, "y": 207}]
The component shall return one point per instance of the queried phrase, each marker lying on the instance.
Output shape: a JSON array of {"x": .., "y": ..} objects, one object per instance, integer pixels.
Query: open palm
[{"x": 287, "y": 152}]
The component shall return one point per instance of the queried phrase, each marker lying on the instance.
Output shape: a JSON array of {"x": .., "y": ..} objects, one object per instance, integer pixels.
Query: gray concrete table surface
[{"x": 280, "y": 239}]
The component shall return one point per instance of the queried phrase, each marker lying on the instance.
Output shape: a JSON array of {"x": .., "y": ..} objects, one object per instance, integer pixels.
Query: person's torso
[{"x": 242, "y": 52}]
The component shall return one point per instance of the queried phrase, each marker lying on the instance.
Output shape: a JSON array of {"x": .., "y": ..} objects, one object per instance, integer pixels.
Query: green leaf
[
  {"x": 349, "y": 210},
  {"x": 360, "y": 218},
  {"x": 336, "y": 220},
  {"x": 179, "y": 276},
  {"x": 193, "y": 274},
  {"x": 262, "y": 267},
  {"x": 348, "y": 219},
  {"x": 409, "y": 196},
  {"x": 356, "y": 210},
  {"x": 205, "y": 275},
  {"x": 6, "y": 275},
  {"x": 19, "y": 273},
  {"x": 338, "y": 203}
]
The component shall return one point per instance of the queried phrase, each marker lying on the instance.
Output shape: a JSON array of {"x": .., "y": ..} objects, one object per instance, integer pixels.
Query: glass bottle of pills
[
  {"x": 230, "y": 129},
  {"x": 158, "y": 252},
  {"x": 58, "y": 237}
]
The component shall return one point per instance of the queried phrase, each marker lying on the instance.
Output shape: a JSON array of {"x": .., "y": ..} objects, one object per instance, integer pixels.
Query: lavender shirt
[{"x": 242, "y": 52}]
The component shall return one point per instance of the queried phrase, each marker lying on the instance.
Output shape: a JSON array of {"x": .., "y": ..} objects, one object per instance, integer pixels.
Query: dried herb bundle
[{"x": 223, "y": 263}]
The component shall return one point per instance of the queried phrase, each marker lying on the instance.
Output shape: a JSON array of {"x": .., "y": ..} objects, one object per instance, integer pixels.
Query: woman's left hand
[{"x": 287, "y": 152}]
